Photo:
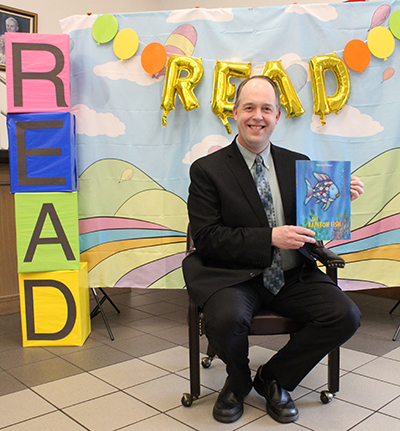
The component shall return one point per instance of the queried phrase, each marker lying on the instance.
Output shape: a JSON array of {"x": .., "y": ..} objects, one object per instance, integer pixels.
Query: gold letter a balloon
[{"x": 289, "y": 98}]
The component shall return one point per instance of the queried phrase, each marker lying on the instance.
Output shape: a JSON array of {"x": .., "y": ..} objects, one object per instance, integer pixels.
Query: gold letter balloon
[
  {"x": 224, "y": 90},
  {"x": 289, "y": 98},
  {"x": 183, "y": 86},
  {"x": 323, "y": 104}
]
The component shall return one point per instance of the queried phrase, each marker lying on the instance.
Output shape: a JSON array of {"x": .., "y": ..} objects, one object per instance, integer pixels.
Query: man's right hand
[{"x": 291, "y": 237}]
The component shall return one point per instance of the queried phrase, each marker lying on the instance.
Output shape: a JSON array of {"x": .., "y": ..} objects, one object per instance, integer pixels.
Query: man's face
[
  {"x": 11, "y": 25},
  {"x": 256, "y": 115}
]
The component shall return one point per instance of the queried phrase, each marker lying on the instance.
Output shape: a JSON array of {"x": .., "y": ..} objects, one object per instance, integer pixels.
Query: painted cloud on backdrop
[
  {"x": 323, "y": 12},
  {"x": 130, "y": 70},
  {"x": 208, "y": 145},
  {"x": 349, "y": 122},
  {"x": 92, "y": 123},
  {"x": 187, "y": 15}
]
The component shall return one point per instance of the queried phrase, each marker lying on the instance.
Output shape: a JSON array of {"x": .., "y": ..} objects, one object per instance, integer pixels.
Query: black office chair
[{"x": 266, "y": 322}]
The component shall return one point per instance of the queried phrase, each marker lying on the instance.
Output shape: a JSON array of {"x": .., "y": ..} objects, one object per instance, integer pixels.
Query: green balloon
[
  {"x": 394, "y": 24},
  {"x": 104, "y": 28}
]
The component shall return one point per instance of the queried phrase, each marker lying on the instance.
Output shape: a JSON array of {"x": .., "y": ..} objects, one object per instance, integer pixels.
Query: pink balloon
[
  {"x": 380, "y": 15},
  {"x": 387, "y": 74}
]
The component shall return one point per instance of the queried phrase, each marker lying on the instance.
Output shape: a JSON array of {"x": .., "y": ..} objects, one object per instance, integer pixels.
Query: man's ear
[
  {"x": 278, "y": 115},
  {"x": 234, "y": 112}
]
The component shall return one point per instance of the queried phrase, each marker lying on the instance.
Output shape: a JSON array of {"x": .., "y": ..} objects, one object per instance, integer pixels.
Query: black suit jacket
[{"x": 229, "y": 226}]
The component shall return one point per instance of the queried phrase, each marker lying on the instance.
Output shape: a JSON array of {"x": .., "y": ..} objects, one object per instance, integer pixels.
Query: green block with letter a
[{"x": 47, "y": 231}]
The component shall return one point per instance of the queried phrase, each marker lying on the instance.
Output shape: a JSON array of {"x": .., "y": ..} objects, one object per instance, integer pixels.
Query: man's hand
[
  {"x": 291, "y": 237},
  {"x": 356, "y": 188}
]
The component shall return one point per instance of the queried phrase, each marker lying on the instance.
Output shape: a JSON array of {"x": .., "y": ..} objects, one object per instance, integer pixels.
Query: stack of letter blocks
[{"x": 53, "y": 284}]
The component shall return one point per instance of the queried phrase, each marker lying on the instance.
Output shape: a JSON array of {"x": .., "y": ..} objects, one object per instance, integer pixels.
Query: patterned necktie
[{"x": 272, "y": 276}]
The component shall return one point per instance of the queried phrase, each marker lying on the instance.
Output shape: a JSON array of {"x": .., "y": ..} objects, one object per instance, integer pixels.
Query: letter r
[{"x": 19, "y": 75}]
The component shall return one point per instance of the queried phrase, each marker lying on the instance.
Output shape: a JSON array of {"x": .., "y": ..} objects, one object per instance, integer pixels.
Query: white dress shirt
[{"x": 290, "y": 258}]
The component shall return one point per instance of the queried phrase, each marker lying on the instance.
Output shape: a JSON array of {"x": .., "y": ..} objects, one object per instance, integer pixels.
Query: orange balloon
[
  {"x": 154, "y": 58},
  {"x": 357, "y": 55}
]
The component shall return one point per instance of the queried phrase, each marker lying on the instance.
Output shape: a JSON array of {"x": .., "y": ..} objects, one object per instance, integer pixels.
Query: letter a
[{"x": 61, "y": 238}]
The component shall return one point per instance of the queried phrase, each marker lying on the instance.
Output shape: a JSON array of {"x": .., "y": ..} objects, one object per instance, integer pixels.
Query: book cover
[{"x": 323, "y": 198}]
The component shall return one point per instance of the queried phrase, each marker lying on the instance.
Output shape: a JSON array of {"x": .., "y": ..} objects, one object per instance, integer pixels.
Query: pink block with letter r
[{"x": 37, "y": 72}]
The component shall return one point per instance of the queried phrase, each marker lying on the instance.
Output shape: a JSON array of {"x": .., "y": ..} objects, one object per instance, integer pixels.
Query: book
[{"x": 323, "y": 198}]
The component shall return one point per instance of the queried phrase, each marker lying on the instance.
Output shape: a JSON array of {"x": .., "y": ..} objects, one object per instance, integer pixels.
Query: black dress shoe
[
  {"x": 229, "y": 407},
  {"x": 280, "y": 405}
]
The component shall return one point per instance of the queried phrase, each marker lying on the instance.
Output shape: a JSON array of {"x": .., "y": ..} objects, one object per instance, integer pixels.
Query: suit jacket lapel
[{"x": 245, "y": 181}]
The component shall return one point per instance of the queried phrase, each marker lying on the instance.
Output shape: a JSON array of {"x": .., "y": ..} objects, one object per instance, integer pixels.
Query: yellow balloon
[
  {"x": 126, "y": 175},
  {"x": 380, "y": 42},
  {"x": 323, "y": 104},
  {"x": 126, "y": 43},
  {"x": 223, "y": 90},
  {"x": 183, "y": 86},
  {"x": 289, "y": 98}
]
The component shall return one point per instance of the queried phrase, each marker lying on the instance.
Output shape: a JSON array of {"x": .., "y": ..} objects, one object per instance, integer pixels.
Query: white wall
[{"x": 50, "y": 13}]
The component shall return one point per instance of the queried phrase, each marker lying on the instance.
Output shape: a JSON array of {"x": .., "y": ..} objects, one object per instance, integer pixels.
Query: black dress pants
[{"x": 329, "y": 317}]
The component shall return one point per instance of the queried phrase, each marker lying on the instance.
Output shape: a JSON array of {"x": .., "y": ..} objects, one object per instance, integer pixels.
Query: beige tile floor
[{"x": 135, "y": 383}]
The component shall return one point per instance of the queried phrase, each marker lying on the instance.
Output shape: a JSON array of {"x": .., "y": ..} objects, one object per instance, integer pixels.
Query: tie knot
[
  {"x": 259, "y": 164},
  {"x": 259, "y": 159}
]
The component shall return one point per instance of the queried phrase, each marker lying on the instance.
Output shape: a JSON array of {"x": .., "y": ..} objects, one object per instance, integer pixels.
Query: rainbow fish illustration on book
[
  {"x": 323, "y": 198},
  {"x": 325, "y": 191}
]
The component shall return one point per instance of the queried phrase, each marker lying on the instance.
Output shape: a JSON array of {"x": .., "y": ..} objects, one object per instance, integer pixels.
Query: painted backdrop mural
[{"x": 133, "y": 169}]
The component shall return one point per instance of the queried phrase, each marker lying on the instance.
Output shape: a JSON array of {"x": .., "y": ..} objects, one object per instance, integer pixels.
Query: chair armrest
[{"x": 327, "y": 257}]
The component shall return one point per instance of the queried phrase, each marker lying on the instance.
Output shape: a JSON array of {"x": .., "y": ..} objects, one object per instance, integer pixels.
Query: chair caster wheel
[
  {"x": 187, "y": 400},
  {"x": 326, "y": 397},
  {"x": 206, "y": 362}
]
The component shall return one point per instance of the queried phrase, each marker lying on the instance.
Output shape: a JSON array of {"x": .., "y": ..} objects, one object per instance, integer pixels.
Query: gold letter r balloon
[
  {"x": 183, "y": 86},
  {"x": 323, "y": 104}
]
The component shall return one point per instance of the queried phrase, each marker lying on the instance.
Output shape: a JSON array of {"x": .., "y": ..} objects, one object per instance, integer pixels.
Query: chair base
[
  {"x": 326, "y": 396},
  {"x": 276, "y": 325},
  {"x": 187, "y": 399}
]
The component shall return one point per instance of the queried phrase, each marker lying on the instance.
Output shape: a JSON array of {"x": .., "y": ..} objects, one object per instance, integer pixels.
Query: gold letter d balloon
[{"x": 323, "y": 104}]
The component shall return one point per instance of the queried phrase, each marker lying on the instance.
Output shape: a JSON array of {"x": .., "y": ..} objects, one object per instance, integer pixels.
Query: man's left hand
[{"x": 356, "y": 188}]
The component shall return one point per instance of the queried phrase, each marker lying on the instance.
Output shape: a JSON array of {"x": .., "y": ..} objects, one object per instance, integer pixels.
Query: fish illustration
[{"x": 325, "y": 191}]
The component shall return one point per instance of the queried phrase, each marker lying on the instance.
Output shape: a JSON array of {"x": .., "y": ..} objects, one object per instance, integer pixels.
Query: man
[
  {"x": 237, "y": 249},
  {"x": 12, "y": 25}
]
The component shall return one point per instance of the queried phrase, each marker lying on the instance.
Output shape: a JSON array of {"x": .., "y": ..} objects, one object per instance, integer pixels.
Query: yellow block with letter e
[{"x": 55, "y": 307}]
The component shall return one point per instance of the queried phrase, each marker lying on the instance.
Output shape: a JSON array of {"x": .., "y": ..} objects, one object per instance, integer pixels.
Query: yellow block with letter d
[{"x": 55, "y": 307}]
